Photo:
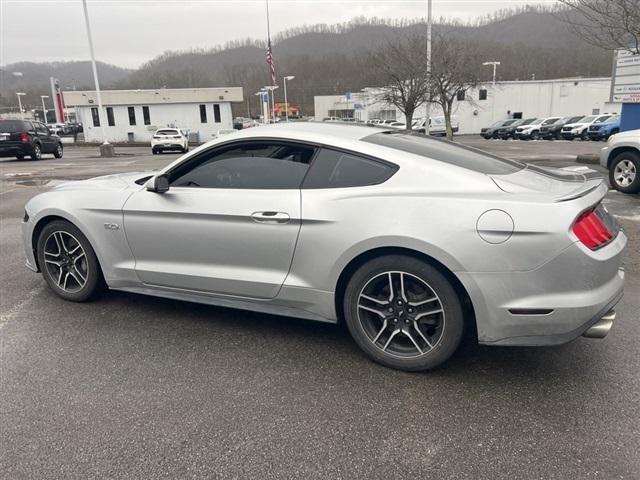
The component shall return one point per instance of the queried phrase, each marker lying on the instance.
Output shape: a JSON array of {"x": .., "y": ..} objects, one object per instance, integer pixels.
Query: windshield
[
  {"x": 575, "y": 119},
  {"x": 602, "y": 118},
  {"x": 588, "y": 119},
  {"x": 446, "y": 151},
  {"x": 549, "y": 121},
  {"x": 509, "y": 122},
  {"x": 528, "y": 121}
]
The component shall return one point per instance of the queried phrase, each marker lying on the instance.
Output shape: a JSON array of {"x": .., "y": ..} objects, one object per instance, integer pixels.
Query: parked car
[
  {"x": 165, "y": 139},
  {"x": 603, "y": 130},
  {"x": 509, "y": 131},
  {"x": 22, "y": 138},
  {"x": 243, "y": 122},
  {"x": 554, "y": 131},
  {"x": 532, "y": 131},
  {"x": 492, "y": 131},
  {"x": 331, "y": 119},
  {"x": 249, "y": 221},
  {"x": 397, "y": 125},
  {"x": 223, "y": 131},
  {"x": 56, "y": 128},
  {"x": 621, "y": 157},
  {"x": 580, "y": 128}
]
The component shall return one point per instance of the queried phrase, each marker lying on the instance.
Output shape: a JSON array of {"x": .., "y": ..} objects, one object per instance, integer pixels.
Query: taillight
[
  {"x": 24, "y": 137},
  {"x": 591, "y": 230}
]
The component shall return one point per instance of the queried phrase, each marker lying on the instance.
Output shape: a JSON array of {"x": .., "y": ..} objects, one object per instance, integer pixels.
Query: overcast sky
[{"x": 130, "y": 32}]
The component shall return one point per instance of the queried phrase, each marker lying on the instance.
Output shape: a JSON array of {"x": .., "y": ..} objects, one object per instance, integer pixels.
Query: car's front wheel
[
  {"x": 403, "y": 313},
  {"x": 67, "y": 261},
  {"x": 624, "y": 172}
]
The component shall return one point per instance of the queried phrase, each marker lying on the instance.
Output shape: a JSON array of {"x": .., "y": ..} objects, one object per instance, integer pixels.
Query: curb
[{"x": 589, "y": 158}]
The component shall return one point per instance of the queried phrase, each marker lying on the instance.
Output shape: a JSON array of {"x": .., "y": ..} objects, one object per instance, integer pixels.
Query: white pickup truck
[{"x": 621, "y": 157}]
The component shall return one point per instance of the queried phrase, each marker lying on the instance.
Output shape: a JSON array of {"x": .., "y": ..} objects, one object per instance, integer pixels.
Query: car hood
[
  {"x": 106, "y": 182},
  {"x": 560, "y": 183},
  {"x": 576, "y": 125}
]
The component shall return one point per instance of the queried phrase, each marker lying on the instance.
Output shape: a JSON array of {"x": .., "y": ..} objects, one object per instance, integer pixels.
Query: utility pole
[
  {"x": 44, "y": 110},
  {"x": 427, "y": 118},
  {"x": 106, "y": 149},
  {"x": 20, "y": 94}
]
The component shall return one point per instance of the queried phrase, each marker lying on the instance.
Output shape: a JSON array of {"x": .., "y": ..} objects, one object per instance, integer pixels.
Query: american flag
[{"x": 270, "y": 63}]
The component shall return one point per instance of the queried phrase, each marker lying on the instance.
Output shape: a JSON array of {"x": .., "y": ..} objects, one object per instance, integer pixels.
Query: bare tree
[
  {"x": 402, "y": 68},
  {"x": 609, "y": 24},
  {"x": 455, "y": 68}
]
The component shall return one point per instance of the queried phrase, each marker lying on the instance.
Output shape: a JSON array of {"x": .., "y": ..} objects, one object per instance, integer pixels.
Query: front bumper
[
  {"x": 552, "y": 304},
  {"x": 596, "y": 135}
]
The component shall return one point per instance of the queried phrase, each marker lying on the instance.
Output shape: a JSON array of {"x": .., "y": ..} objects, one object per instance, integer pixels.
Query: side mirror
[{"x": 158, "y": 184}]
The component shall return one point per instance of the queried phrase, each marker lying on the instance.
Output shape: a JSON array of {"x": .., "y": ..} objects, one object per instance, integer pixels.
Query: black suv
[
  {"x": 23, "y": 138},
  {"x": 492, "y": 131},
  {"x": 549, "y": 132}
]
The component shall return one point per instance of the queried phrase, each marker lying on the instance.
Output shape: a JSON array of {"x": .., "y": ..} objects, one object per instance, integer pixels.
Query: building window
[
  {"x": 95, "y": 116},
  {"x": 216, "y": 113},
  {"x": 482, "y": 94},
  {"x": 132, "y": 115},
  {"x": 460, "y": 96},
  {"x": 110, "y": 120},
  {"x": 203, "y": 114},
  {"x": 146, "y": 116}
]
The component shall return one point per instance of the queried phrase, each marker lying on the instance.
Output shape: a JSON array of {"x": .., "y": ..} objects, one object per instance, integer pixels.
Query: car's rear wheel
[
  {"x": 624, "y": 172},
  {"x": 535, "y": 135},
  {"x": 403, "y": 313},
  {"x": 67, "y": 261},
  {"x": 584, "y": 136},
  {"x": 36, "y": 152},
  {"x": 58, "y": 152}
]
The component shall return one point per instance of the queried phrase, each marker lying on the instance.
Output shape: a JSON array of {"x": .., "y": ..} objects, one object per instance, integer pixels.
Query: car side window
[
  {"x": 41, "y": 129},
  {"x": 336, "y": 169},
  {"x": 249, "y": 165}
]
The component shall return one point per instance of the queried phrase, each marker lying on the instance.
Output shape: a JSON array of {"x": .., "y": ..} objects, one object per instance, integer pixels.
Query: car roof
[{"x": 313, "y": 131}]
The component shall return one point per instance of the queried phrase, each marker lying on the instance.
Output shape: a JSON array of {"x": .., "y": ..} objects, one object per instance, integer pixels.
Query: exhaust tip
[{"x": 601, "y": 327}]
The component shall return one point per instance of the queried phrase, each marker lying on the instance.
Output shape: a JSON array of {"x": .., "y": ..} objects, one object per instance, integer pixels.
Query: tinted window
[
  {"x": 95, "y": 116},
  {"x": 13, "y": 126},
  {"x": 446, "y": 151},
  {"x": 203, "y": 114},
  {"x": 132, "y": 115},
  {"x": 335, "y": 169},
  {"x": 550, "y": 121},
  {"x": 110, "y": 120},
  {"x": 167, "y": 132},
  {"x": 41, "y": 129},
  {"x": 216, "y": 113},
  {"x": 145, "y": 116},
  {"x": 253, "y": 165}
]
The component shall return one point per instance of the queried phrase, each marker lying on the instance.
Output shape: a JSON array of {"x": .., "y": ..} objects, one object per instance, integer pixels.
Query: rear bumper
[
  {"x": 12, "y": 149},
  {"x": 167, "y": 146},
  {"x": 552, "y": 304}
]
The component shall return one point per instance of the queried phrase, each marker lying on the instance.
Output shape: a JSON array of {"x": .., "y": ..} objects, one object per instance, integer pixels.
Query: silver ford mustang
[{"x": 409, "y": 240}]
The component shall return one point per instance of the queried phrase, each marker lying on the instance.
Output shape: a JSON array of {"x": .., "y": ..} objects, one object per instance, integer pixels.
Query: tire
[
  {"x": 66, "y": 280},
  {"x": 58, "y": 151},
  {"x": 535, "y": 135},
  {"x": 558, "y": 135},
  {"x": 36, "y": 152},
  {"x": 624, "y": 172},
  {"x": 154, "y": 151},
  {"x": 584, "y": 136},
  {"x": 20, "y": 157},
  {"x": 420, "y": 342}
]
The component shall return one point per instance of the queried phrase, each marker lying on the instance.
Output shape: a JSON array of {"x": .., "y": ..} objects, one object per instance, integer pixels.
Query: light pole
[
  {"x": 286, "y": 104},
  {"x": 261, "y": 95},
  {"x": 44, "y": 110},
  {"x": 20, "y": 94},
  {"x": 109, "y": 150},
  {"x": 427, "y": 120},
  {"x": 495, "y": 64}
]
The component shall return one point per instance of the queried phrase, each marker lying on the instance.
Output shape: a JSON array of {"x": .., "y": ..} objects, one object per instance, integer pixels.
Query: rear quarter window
[
  {"x": 447, "y": 152},
  {"x": 338, "y": 169}
]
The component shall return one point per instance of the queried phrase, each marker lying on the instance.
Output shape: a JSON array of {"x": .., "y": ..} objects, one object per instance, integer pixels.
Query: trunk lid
[{"x": 561, "y": 184}]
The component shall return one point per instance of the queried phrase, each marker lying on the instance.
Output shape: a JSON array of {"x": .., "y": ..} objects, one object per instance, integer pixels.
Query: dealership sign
[{"x": 625, "y": 82}]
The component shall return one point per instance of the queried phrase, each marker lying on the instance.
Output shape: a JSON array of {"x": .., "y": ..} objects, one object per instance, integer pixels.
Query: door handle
[{"x": 270, "y": 217}]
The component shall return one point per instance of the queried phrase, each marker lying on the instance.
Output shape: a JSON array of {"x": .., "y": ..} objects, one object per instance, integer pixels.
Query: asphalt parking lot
[{"x": 138, "y": 387}]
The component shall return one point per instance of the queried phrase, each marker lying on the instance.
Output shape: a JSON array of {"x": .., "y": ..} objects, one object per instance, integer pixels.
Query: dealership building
[
  {"x": 133, "y": 115},
  {"x": 482, "y": 106}
]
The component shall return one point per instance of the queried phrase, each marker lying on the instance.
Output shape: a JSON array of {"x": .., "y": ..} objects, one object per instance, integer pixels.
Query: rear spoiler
[{"x": 592, "y": 181}]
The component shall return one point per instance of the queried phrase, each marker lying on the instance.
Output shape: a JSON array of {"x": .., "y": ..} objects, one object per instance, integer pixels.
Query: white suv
[
  {"x": 532, "y": 130},
  {"x": 169, "y": 139},
  {"x": 621, "y": 157},
  {"x": 580, "y": 129}
]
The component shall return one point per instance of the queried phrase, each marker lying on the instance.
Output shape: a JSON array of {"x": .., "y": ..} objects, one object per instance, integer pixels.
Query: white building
[
  {"x": 486, "y": 104},
  {"x": 133, "y": 115}
]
